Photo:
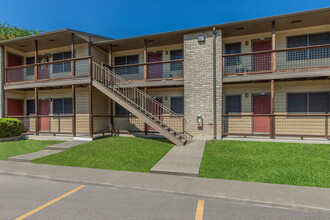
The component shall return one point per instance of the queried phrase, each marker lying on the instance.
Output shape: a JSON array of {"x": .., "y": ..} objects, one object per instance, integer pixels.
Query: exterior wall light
[{"x": 201, "y": 39}]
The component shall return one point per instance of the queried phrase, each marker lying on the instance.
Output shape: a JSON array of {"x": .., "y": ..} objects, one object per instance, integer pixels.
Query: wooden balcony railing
[
  {"x": 51, "y": 124},
  {"x": 275, "y": 125},
  {"x": 271, "y": 61},
  {"x": 170, "y": 69},
  {"x": 55, "y": 70}
]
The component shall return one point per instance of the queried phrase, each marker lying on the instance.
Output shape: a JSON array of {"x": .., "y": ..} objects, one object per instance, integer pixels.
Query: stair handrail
[{"x": 109, "y": 77}]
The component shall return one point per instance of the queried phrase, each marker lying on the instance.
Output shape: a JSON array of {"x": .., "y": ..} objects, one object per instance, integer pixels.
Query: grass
[
  {"x": 115, "y": 153},
  {"x": 280, "y": 163},
  {"x": 14, "y": 148}
]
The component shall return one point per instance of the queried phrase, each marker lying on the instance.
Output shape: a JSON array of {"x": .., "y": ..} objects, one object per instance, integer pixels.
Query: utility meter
[{"x": 199, "y": 121}]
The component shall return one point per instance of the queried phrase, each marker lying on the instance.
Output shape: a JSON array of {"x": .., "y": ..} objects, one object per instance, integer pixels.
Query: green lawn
[
  {"x": 115, "y": 153},
  {"x": 281, "y": 163},
  {"x": 14, "y": 148}
]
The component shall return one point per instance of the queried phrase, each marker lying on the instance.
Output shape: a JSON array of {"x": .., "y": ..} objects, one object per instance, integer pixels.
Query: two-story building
[{"x": 262, "y": 77}]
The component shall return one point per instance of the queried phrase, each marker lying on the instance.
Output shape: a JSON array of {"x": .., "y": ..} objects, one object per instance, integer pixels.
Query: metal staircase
[{"x": 153, "y": 113}]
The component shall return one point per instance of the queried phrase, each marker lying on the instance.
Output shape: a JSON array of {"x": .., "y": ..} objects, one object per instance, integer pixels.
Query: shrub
[{"x": 10, "y": 127}]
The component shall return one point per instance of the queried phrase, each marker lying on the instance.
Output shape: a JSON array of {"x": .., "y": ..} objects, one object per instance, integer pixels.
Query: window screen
[
  {"x": 30, "y": 107},
  {"x": 176, "y": 55},
  {"x": 297, "y": 41},
  {"x": 319, "y": 102},
  {"x": 233, "y": 103},
  {"x": 67, "y": 106},
  {"x": 121, "y": 110},
  {"x": 62, "y": 106},
  {"x": 29, "y": 70},
  {"x": 62, "y": 67},
  {"x": 297, "y": 102},
  {"x": 233, "y": 49},
  {"x": 58, "y": 106},
  {"x": 126, "y": 60},
  {"x": 319, "y": 39},
  {"x": 177, "y": 105}
]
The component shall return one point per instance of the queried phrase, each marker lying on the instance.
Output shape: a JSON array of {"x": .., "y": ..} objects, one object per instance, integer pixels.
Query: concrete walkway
[
  {"x": 182, "y": 160},
  {"x": 275, "y": 194},
  {"x": 52, "y": 149}
]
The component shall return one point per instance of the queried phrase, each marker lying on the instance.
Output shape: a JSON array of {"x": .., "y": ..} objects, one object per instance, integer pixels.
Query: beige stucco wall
[{"x": 101, "y": 106}]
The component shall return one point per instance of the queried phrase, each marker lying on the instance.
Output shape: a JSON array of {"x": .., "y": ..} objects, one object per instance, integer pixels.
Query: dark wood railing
[
  {"x": 149, "y": 71},
  {"x": 281, "y": 60},
  {"x": 273, "y": 125},
  {"x": 53, "y": 124},
  {"x": 54, "y": 70}
]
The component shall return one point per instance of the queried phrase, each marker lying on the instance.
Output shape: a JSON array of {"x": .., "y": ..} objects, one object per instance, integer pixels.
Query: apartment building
[{"x": 262, "y": 77}]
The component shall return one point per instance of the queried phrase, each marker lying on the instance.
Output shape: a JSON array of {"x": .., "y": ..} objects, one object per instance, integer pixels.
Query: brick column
[{"x": 198, "y": 82}]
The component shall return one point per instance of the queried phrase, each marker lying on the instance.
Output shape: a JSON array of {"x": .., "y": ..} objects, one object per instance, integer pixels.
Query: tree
[{"x": 8, "y": 31}]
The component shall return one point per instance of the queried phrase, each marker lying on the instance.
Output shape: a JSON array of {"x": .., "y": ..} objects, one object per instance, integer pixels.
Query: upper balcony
[
  {"x": 304, "y": 59},
  {"x": 294, "y": 46},
  {"x": 52, "y": 59},
  {"x": 147, "y": 61},
  {"x": 69, "y": 71}
]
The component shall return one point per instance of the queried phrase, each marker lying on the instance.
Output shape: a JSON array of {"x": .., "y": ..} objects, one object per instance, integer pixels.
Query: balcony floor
[
  {"x": 49, "y": 83},
  {"x": 295, "y": 74}
]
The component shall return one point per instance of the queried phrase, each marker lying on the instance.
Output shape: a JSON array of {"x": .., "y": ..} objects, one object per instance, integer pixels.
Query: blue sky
[{"x": 121, "y": 18}]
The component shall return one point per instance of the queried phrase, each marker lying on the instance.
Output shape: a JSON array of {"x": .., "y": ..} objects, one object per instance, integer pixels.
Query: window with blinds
[
  {"x": 317, "y": 102},
  {"x": 62, "y": 106},
  {"x": 177, "y": 105},
  {"x": 126, "y": 60},
  {"x": 29, "y": 70},
  {"x": 62, "y": 67},
  {"x": 233, "y": 48},
  {"x": 176, "y": 55},
  {"x": 308, "y": 40},
  {"x": 30, "y": 107},
  {"x": 233, "y": 104}
]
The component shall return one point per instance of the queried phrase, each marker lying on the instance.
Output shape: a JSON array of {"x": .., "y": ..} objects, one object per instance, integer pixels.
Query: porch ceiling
[
  {"x": 281, "y": 23},
  {"x": 132, "y": 43},
  {"x": 52, "y": 39},
  {"x": 46, "y": 42}
]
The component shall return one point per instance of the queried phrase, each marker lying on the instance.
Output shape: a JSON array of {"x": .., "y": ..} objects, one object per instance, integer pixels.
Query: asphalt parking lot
[{"x": 28, "y": 198}]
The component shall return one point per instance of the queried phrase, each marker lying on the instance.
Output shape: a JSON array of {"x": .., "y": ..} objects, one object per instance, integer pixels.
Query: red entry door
[
  {"x": 261, "y": 105},
  {"x": 155, "y": 110},
  {"x": 44, "y": 110},
  {"x": 15, "y": 75},
  {"x": 15, "y": 107},
  {"x": 155, "y": 71},
  {"x": 262, "y": 62}
]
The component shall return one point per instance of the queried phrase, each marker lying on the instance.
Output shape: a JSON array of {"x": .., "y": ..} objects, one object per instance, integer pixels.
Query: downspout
[{"x": 214, "y": 87}]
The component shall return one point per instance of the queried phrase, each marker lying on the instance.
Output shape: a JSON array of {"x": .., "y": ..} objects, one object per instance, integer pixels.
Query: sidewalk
[
  {"x": 284, "y": 195},
  {"x": 52, "y": 149},
  {"x": 184, "y": 161}
]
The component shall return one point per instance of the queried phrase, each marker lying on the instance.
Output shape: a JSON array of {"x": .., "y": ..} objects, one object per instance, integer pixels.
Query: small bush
[{"x": 10, "y": 127}]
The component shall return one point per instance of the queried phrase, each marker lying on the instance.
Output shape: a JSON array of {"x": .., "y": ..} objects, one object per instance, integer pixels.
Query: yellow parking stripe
[
  {"x": 200, "y": 209},
  {"x": 49, "y": 203}
]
